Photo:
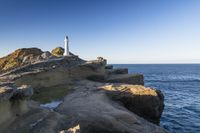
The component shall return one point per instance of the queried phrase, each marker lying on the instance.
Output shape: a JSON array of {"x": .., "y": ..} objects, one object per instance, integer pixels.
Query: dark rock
[
  {"x": 12, "y": 92},
  {"x": 136, "y": 79},
  {"x": 118, "y": 71},
  {"x": 98, "y": 78},
  {"x": 109, "y": 67},
  {"x": 6, "y": 92}
]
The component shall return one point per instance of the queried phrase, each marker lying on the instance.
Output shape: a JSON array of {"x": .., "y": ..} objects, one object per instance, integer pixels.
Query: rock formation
[
  {"x": 145, "y": 102},
  {"x": 92, "y": 97},
  {"x": 19, "y": 58}
]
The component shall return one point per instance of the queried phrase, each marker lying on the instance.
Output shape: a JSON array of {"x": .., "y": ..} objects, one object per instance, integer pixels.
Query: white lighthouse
[{"x": 66, "y": 53}]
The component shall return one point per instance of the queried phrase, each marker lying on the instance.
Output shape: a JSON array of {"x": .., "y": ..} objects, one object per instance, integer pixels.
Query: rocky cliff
[
  {"x": 92, "y": 97},
  {"x": 19, "y": 58}
]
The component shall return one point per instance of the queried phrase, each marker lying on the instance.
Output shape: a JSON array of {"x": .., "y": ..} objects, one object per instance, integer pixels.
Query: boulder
[
  {"x": 6, "y": 92},
  {"x": 145, "y": 102},
  {"x": 58, "y": 51},
  {"x": 102, "y": 60},
  {"x": 13, "y": 102},
  {"x": 12, "y": 92},
  {"x": 136, "y": 79},
  {"x": 46, "y": 55}
]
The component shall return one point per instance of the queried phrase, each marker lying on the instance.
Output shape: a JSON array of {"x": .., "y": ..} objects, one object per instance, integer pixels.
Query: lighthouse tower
[{"x": 66, "y": 53}]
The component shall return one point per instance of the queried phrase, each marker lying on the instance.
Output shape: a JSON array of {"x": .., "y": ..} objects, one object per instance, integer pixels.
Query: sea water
[{"x": 180, "y": 84}]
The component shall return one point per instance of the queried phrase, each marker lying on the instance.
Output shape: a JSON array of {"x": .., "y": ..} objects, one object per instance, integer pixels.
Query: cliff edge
[{"x": 48, "y": 93}]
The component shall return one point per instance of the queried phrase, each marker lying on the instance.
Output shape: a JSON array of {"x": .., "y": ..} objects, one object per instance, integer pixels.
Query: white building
[{"x": 66, "y": 53}]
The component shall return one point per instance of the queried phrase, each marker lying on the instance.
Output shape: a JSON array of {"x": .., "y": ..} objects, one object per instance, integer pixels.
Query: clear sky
[{"x": 123, "y": 31}]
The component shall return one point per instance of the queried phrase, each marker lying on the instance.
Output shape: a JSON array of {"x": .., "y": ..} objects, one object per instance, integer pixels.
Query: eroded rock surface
[
  {"x": 145, "y": 102},
  {"x": 106, "y": 106},
  {"x": 13, "y": 102},
  {"x": 19, "y": 58},
  {"x": 91, "y": 108}
]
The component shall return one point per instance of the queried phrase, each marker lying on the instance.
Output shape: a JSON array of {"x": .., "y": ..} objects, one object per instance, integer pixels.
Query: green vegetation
[
  {"x": 45, "y": 95},
  {"x": 57, "y": 52}
]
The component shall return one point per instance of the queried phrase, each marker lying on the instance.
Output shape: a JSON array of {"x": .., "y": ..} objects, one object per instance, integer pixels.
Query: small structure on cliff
[
  {"x": 92, "y": 97},
  {"x": 66, "y": 53}
]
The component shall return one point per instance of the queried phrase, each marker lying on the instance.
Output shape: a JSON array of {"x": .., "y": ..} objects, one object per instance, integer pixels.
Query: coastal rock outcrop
[
  {"x": 19, "y": 58},
  {"x": 115, "y": 102},
  {"x": 145, "y": 102},
  {"x": 96, "y": 111}
]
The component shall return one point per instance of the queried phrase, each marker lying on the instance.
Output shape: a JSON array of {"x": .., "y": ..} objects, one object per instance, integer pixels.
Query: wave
[{"x": 171, "y": 80}]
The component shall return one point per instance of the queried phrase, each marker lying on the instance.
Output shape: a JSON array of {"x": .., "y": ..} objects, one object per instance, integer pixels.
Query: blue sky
[{"x": 122, "y": 31}]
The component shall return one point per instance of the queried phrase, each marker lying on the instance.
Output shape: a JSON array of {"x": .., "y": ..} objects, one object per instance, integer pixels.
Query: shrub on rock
[{"x": 58, "y": 51}]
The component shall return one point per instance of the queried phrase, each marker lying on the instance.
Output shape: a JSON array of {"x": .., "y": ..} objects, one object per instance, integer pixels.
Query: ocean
[{"x": 180, "y": 84}]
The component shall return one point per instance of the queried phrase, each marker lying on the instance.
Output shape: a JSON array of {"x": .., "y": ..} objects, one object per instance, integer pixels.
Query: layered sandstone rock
[
  {"x": 145, "y": 102},
  {"x": 19, "y": 58},
  {"x": 96, "y": 107},
  {"x": 97, "y": 111}
]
